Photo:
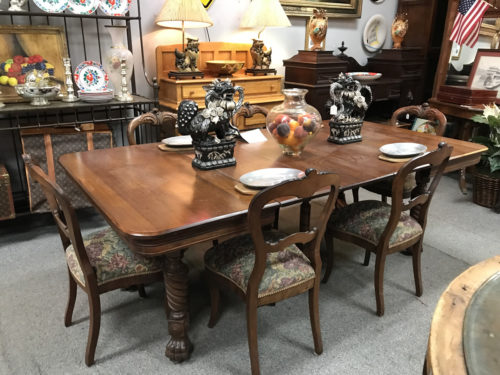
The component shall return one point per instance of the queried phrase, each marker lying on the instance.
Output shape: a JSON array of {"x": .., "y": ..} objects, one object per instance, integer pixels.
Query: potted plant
[{"x": 486, "y": 182}]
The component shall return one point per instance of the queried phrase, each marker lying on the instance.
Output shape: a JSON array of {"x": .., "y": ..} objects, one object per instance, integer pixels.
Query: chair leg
[
  {"x": 252, "y": 337},
  {"x": 214, "y": 304},
  {"x": 368, "y": 254},
  {"x": 329, "y": 257},
  {"x": 384, "y": 198},
  {"x": 355, "y": 194},
  {"x": 68, "y": 316},
  {"x": 379, "y": 283},
  {"x": 417, "y": 273},
  {"x": 142, "y": 291},
  {"x": 314, "y": 317},
  {"x": 94, "y": 326}
]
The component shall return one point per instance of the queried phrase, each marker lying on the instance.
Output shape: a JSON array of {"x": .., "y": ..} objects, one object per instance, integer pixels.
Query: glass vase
[
  {"x": 294, "y": 122},
  {"x": 117, "y": 52}
]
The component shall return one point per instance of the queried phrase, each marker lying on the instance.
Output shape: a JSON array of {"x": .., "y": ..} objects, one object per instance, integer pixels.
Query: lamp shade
[
  {"x": 264, "y": 13},
  {"x": 183, "y": 13}
]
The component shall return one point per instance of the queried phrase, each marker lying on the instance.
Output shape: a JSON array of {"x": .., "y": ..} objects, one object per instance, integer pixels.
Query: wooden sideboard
[{"x": 262, "y": 90}]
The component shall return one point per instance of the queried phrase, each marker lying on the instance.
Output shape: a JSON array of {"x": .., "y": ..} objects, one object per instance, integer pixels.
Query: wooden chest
[
  {"x": 6, "y": 201},
  {"x": 465, "y": 95}
]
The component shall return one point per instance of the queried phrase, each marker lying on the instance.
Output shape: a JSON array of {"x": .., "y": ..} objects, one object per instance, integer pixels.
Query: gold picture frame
[
  {"x": 25, "y": 40},
  {"x": 334, "y": 8}
]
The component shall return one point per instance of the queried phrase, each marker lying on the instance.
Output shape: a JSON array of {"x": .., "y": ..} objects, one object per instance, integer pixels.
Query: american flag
[{"x": 468, "y": 22}]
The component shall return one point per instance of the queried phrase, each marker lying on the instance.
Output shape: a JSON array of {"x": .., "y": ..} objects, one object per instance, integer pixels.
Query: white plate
[
  {"x": 262, "y": 178},
  {"x": 52, "y": 6},
  {"x": 114, "y": 7},
  {"x": 179, "y": 141},
  {"x": 403, "y": 149},
  {"x": 364, "y": 76},
  {"x": 83, "y": 6},
  {"x": 374, "y": 33},
  {"x": 91, "y": 77}
]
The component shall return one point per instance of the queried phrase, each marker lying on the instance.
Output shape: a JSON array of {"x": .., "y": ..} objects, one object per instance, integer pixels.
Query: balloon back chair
[
  {"x": 153, "y": 118},
  {"x": 265, "y": 267},
  {"x": 97, "y": 263},
  {"x": 424, "y": 119},
  {"x": 385, "y": 229}
]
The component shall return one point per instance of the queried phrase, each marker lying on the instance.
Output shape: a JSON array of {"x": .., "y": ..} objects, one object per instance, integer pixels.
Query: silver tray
[
  {"x": 403, "y": 149},
  {"x": 179, "y": 141},
  {"x": 262, "y": 178}
]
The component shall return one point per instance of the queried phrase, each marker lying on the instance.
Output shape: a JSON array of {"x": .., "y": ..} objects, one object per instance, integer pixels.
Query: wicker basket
[{"x": 486, "y": 190}]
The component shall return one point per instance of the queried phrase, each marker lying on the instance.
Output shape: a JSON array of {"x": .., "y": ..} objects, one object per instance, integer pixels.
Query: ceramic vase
[
  {"x": 113, "y": 58},
  {"x": 294, "y": 122}
]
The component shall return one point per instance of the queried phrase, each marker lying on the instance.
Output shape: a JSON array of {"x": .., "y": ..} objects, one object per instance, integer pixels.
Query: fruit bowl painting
[{"x": 29, "y": 49}]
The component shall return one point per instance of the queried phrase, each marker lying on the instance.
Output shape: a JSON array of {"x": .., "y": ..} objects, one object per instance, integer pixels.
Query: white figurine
[{"x": 15, "y": 5}]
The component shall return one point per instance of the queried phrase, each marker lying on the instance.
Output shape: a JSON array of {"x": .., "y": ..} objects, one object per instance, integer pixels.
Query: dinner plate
[
  {"x": 364, "y": 76},
  {"x": 403, "y": 149},
  {"x": 179, "y": 141},
  {"x": 374, "y": 33},
  {"x": 262, "y": 178},
  {"x": 52, "y": 6},
  {"x": 114, "y": 7},
  {"x": 91, "y": 77},
  {"x": 83, "y": 6}
]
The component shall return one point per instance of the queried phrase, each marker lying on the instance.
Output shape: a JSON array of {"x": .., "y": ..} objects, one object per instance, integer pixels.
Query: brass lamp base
[{"x": 186, "y": 75}]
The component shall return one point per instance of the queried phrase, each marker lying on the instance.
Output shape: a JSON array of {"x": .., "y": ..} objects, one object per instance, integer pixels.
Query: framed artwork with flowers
[{"x": 24, "y": 49}]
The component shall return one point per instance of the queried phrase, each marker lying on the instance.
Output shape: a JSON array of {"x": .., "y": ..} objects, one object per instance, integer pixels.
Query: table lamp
[
  {"x": 181, "y": 14},
  {"x": 262, "y": 14}
]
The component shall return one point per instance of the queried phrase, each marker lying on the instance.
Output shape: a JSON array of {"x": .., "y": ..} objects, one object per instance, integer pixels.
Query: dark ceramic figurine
[
  {"x": 350, "y": 101},
  {"x": 212, "y": 151},
  {"x": 187, "y": 61}
]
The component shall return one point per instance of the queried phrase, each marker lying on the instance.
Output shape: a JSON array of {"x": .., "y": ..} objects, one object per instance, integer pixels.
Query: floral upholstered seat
[
  {"x": 367, "y": 219},
  {"x": 234, "y": 259},
  {"x": 110, "y": 257}
]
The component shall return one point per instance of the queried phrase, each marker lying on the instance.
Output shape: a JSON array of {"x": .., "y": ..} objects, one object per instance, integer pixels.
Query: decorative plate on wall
[
  {"x": 91, "y": 77},
  {"x": 374, "y": 33},
  {"x": 114, "y": 7},
  {"x": 52, "y": 6},
  {"x": 83, "y": 6}
]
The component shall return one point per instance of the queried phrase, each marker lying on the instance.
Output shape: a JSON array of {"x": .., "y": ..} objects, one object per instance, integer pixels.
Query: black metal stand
[
  {"x": 344, "y": 133},
  {"x": 180, "y": 75},
  {"x": 209, "y": 155}
]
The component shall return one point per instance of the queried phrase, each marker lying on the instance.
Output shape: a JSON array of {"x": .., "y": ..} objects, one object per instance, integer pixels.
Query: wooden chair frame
[
  {"x": 309, "y": 240},
  {"x": 418, "y": 207},
  {"x": 69, "y": 231},
  {"x": 155, "y": 118},
  {"x": 248, "y": 110}
]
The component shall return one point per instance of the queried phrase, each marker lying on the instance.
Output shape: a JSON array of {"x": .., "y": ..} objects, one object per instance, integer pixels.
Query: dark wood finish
[
  {"x": 384, "y": 188},
  {"x": 185, "y": 75},
  {"x": 465, "y": 95},
  {"x": 248, "y": 111},
  {"x": 314, "y": 70},
  {"x": 309, "y": 239},
  {"x": 418, "y": 207},
  {"x": 175, "y": 206},
  {"x": 445, "y": 353},
  {"x": 69, "y": 230},
  {"x": 260, "y": 71},
  {"x": 154, "y": 118}
]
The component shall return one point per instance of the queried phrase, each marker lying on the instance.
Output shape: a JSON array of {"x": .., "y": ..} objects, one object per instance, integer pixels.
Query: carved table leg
[{"x": 175, "y": 275}]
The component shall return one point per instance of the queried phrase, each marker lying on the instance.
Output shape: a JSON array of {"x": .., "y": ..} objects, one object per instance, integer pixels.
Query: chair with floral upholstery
[
  {"x": 265, "y": 267},
  {"x": 97, "y": 263},
  {"x": 384, "y": 229},
  {"x": 420, "y": 118}
]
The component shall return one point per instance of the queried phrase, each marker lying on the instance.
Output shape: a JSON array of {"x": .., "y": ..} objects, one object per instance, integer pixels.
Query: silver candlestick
[
  {"x": 15, "y": 5},
  {"x": 124, "y": 95},
  {"x": 70, "y": 96}
]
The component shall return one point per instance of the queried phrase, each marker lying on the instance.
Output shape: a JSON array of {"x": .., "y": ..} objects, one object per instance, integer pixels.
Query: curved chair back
[
  {"x": 65, "y": 218},
  {"x": 155, "y": 118},
  {"x": 424, "y": 111},
  {"x": 421, "y": 195},
  {"x": 248, "y": 110},
  {"x": 307, "y": 238}
]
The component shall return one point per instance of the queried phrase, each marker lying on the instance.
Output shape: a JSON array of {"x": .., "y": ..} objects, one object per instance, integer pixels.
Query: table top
[
  {"x": 158, "y": 202},
  {"x": 445, "y": 352}
]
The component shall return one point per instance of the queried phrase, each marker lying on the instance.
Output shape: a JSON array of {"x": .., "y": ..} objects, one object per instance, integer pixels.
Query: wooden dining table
[{"x": 160, "y": 205}]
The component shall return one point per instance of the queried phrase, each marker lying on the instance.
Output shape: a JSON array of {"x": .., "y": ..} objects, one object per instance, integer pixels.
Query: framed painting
[
  {"x": 27, "y": 48},
  {"x": 485, "y": 73},
  {"x": 334, "y": 8}
]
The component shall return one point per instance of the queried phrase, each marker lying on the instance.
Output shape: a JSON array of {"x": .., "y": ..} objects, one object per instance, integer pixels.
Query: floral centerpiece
[{"x": 487, "y": 175}]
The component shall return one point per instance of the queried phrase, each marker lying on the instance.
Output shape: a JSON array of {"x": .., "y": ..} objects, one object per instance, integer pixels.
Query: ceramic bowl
[{"x": 224, "y": 67}]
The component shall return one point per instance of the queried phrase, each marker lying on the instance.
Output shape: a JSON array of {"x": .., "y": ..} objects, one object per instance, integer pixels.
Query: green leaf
[
  {"x": 493, "y": 121},
  {"x": 494, "y": 161},
  {"x": 479, "y": 118},
  {"x": 485, "y": 141}
]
